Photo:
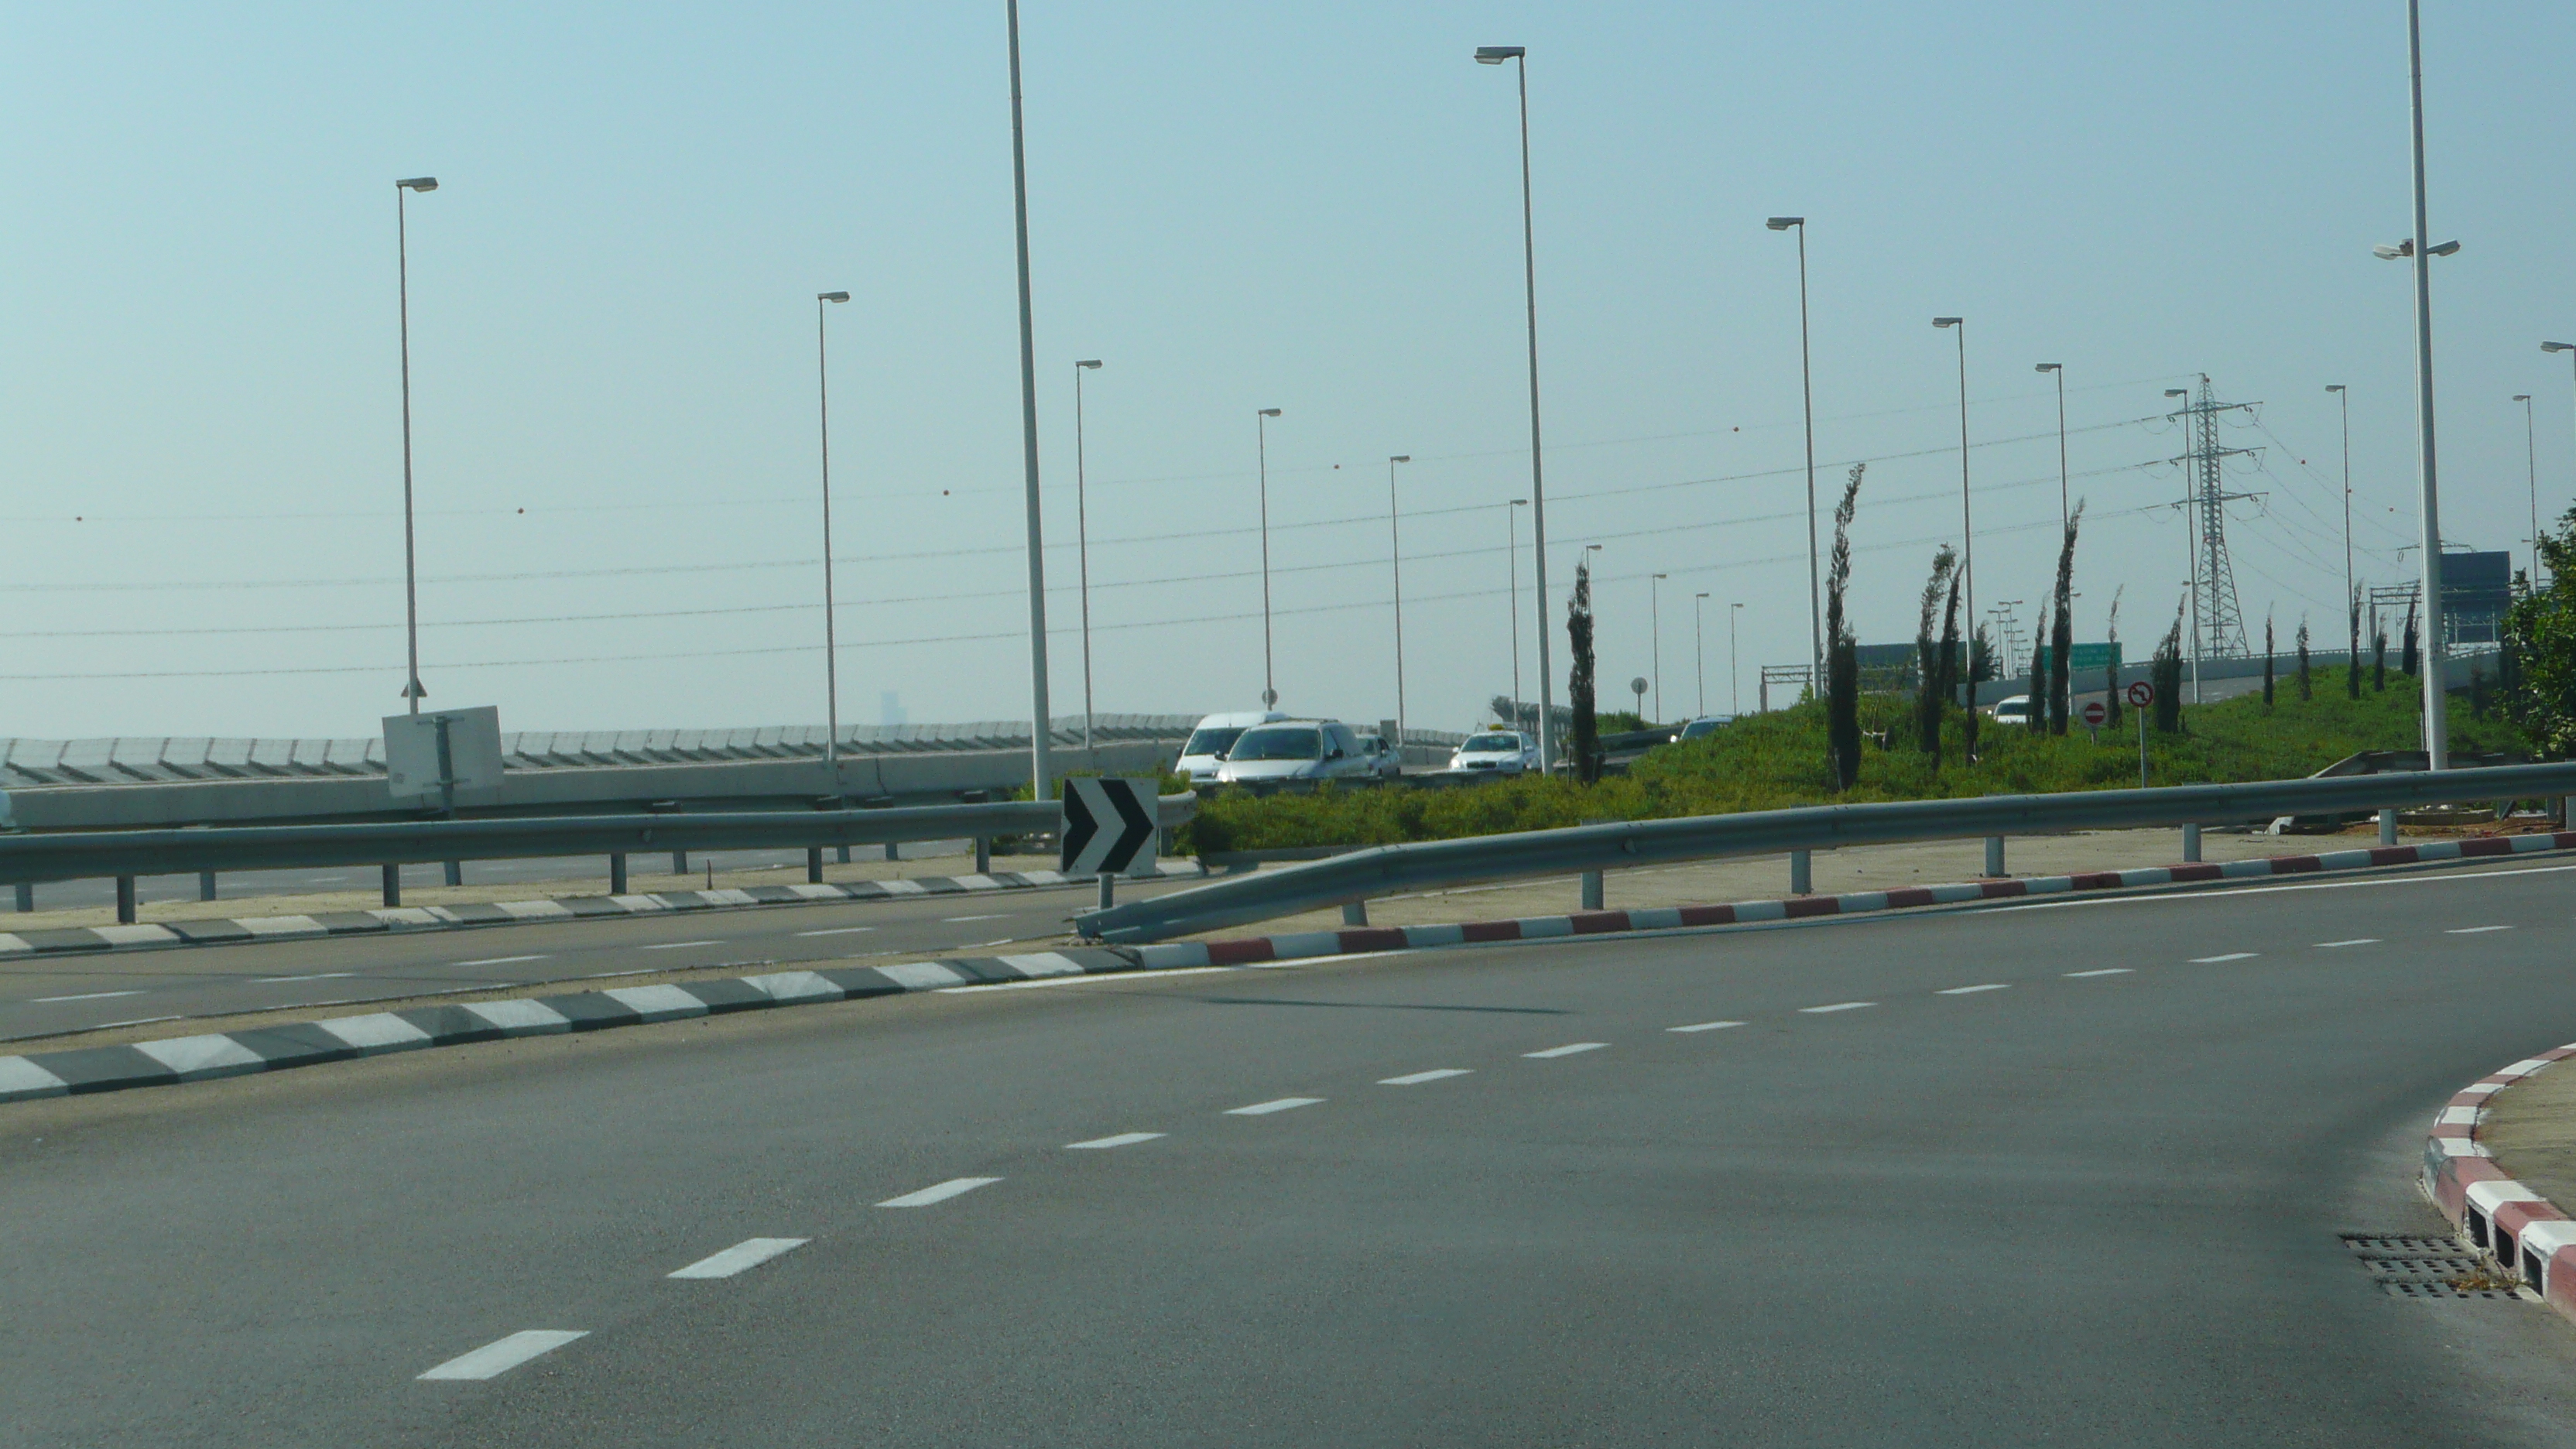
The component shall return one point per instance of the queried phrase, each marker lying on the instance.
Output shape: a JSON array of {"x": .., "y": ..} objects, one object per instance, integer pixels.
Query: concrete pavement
[{"x": 2070, "y": 1172}]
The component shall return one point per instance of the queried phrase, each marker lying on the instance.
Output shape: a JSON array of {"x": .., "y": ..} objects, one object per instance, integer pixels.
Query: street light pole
[
  {"x": 412, "y": 692},
  {"x": 1734, "y": 685},
  {"x": 2190, "y": 534},
  {"x": 1041, "y": 722},
  {"x": 1655, "y": 635},
  {"x": 1261, "y": 441},
  {"x": 2344, "y": 396},
  {"x": 1967, "y": 534},
  {"x": 1082, "y": 546},
  {"x": 1807, "y": 401},
  {"x": 2531, "y": 475},
  {"x": 831, "y": 648},
  {"x": 1512, "y": 557},
  {"x": 1395, "y": 558},
  {"x": 1699, "y": 650},
  {"x": 2569, "y": 348},
  {"x": 1496, "y": 55},
  {"x": 2437, "y": 733},
  {"x": 2059, "y": 368}
]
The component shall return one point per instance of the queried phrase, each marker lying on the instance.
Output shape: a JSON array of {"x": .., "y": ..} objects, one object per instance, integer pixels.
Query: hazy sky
[{"x": 1310, "y": 207}]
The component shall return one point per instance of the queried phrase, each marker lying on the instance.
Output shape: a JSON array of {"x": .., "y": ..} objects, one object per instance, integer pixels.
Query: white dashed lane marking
[
  {"x": 678, "y": 945},
  {"x": 1567, "y": 1050},
  {"x": 838, "y": 931},
  {"x": 2474, "y": 930},
  {"x": 1837, "y": 1006},
  {"x": 1122, "y": 1139},
  {"x": 749, "y": 1253},
  {"x": 2355, "y": 941},
  {"x": 1277, "y": 1104},
  {"x": 939, "y": 1192},
  {"x": 501, "y": 960},
  {"x": 2230, "y": 956},
  {"x": 1416, "y": 1078},
  {"x": 1973, "y": 990},
  {"x": 2105, "y": 971},
  {"x": 88, "y": 996},
  {"x": 499, "y": 1357},
  {"x": 316, "y": 976},
  {"x": 1705, "y": 1026}
]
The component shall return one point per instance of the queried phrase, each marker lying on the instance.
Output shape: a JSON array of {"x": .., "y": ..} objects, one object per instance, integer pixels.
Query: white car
[
  {"x": 1296, "y": 753},
  {"x": 1214, "y": 736},
  {"x": 1506, "y": 752},
  {"x": 2013, "y": 710},
  {"x": 1705, "y": 725}
]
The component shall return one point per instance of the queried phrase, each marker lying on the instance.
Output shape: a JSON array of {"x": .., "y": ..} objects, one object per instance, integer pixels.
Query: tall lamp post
[
  {"x": 2344, "y": 396},
  {"x": 1261, "y": 440},
  {"x": 1967, "y": 536},
  {"x": 2569, "y": 348},
  {"x": 1395, "y": 558},
  {"x": 412, "y": 692},
  {"x": 2422, "y": 249},
  {"x": 2059, "y": 368},
  {"x": 1496, "y": 55},
  {"x": 2190, "y": 536},
  {"x": 1807, "y": 401},
  {"x": 1699, "y": 650},
  {"x": 1655, "y": 635},
  {"x": 1734, "y": 685},
  {"x": 831, "y": 648},
  {"x": 1082, "y": 545},
  {"x": 1512, "y": 558},
  {"x": 2531, "y": 475},
  {"x": 1041, "y": 722}
]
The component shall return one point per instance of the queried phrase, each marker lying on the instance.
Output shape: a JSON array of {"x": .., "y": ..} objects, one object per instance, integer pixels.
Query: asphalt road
[
  {"x": 2069, "y": 1174},
  {"x": 76, "y": 992}
]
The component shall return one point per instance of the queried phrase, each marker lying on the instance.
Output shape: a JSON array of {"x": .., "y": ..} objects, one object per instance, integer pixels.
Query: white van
[{"x": 1216, "y": 735}]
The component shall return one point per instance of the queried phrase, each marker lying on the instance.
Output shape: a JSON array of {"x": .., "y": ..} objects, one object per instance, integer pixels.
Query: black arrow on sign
[
  {"x": 1079, "y": 827},
  {"x": 1140, "y": 826}
]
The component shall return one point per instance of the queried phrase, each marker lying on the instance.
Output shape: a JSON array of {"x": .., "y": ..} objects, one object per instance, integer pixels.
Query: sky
[{"x": 1311, "y": 207}]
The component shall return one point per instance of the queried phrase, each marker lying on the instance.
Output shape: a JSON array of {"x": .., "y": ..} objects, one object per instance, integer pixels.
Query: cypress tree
[
  {"x": 1842, "y": 658},
  {"x": 2307, "y": 685},
  {"x": 2166, "y": 674},
  {"x": 2035, "y": 718},
  {"x": 1931, "y": 643},
  {"x": 2267, "y": 661},
  {"x": 2062, "y": 641},
  {"x": 1579, "y": 687},
  {"x": 2352, "y": 656},
  {"x": 2111, "y": 667}
]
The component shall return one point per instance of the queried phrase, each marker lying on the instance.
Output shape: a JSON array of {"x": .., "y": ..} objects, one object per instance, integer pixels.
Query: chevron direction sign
[{"x": 1109, "y": 826}]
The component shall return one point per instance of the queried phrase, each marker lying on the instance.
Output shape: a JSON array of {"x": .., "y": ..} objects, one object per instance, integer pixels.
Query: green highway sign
[{"x": 2094, "y": 656}]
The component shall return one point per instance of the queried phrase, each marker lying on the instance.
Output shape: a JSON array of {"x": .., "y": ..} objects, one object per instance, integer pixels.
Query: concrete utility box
[{"x": 447, "y": 756}]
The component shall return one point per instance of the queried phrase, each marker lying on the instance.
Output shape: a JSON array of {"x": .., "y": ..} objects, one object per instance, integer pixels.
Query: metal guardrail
[
  {"x": 1393, "y": 869},
  {"x": 126, "y": 854}
]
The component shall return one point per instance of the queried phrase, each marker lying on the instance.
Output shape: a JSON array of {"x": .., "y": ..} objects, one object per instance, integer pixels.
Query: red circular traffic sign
[
  {"x": 2095, "y": 712},
  {"x": 2142, "y": 694}
]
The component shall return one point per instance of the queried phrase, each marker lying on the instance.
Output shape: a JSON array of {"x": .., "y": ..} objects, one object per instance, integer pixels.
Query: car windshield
[
  {"x": 1699, "y": 727},
  {"x": 1277, "y": 744},
  {"x": 1483, "y": 744},
  {"x": 1211, "y": 742}
]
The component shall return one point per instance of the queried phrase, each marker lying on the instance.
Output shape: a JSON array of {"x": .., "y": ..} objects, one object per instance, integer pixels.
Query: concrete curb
[
  {"x": 1395, "y": 938},
  {"x": 2526, "y": 1235},
  {"x": 173, "y": 1060},
  {"x": 78, "y": 939}
]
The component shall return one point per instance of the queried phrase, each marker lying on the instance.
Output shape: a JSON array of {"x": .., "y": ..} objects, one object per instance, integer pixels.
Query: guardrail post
[
  {"x": 393, "y": 886},
  {"x": 845, "y": 854},
  {"x": 2191, "y": 843},
  {"x": 2388, "y": 826},
  {"x": 1108, "y": 890},
  {"x": 26, "y": 896},
  {"x": 617, "y": 873},
  {"x": 983, "y": 855},
  {"x": 455, "y": 872},
  {"x": 125, "y": 900},
  {"x": 1592, "y": 890},
  {"x": 1994, "y": 855},
  {"x": 679, "y": 862},
  {"x": 205, "y": 885},
  {"x": 893, "y": 851},
  {"x": 1802, "y": 873},
  {"x": 814, "y": 865},
  {"x": 1354, "y": 913}
]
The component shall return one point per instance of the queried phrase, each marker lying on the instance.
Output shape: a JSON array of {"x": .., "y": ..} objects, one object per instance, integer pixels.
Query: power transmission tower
[{"x": 2218, "y": 624}]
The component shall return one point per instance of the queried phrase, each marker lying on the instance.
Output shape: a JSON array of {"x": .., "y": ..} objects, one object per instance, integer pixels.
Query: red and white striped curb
[
  {"x": 2526, "y": 1234},
  {"x": 1593, "y": 923}
]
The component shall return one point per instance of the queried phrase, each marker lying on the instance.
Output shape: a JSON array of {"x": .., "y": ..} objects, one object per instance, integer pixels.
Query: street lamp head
[
  {"x": 1520, "y": 503},
  {"x": 419, "y": 183},
  {"x": 1497, "y": 54},
  {"x": 831, "y": 296},
  {"x": 2442, "y": 249},
  {"x": 2558, "y": 347},
  {"x": 1089, "y": 362},
  {"x": 2522, "y": 397},
  {"x": 2177, "y": 392},
  {"x": 1270, "y": 412},
  {"x": 1663, "y": 576},
  {"x": 1400, "y": 457},
  {"x": 2334, "y": 387},
  {"x": 1783, "y": 223},
  {"x": 2399, "y": 252},
  {"x": 2048, "y": 367},
  {"x": 1703, "y": 596},
  {"x": 1948, "y": 321}
]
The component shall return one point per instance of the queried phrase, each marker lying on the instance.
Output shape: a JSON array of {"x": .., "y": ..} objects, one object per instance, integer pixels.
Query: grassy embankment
[{"x": 1768, "y": 762}]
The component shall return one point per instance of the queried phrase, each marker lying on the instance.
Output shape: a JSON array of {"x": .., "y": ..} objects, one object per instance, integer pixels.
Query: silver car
[
  {"x": 1299, "y": 754},
  {"x": 1502, "y": 752}
]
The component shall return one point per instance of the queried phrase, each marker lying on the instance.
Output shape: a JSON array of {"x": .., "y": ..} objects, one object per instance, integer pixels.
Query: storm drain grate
[{"x": 2412, "y": 1267}]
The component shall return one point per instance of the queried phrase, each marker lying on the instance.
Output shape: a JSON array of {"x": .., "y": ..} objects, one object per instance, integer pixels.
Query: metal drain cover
[{"x": 2413, "y": 1267}]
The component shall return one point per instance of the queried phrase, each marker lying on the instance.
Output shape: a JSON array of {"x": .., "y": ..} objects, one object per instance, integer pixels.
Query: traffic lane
[
  {"x": 254, "y": 884},
  {"x": 55, "y": 994},
  {"x": 2039, "y": 1110}
]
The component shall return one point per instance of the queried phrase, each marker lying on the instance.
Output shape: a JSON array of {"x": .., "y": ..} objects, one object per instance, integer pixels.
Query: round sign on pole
[
  {"x": 2095, "y": 713},
  {"x": 2142, "y": 694}
]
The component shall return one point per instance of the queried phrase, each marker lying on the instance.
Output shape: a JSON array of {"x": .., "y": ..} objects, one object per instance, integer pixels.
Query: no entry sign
[{"x": 2095, "y": 713}]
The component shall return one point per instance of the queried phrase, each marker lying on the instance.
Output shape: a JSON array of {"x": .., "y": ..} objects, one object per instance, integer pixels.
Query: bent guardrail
[
  {"x": 1391, "y": 869},
  {"x": 126, "y": 854}
]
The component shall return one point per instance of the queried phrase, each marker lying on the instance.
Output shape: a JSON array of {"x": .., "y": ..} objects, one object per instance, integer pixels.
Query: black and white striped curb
[
  {"x": 173, "y": 1060},
  {"x": 15, "y": 944}
]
